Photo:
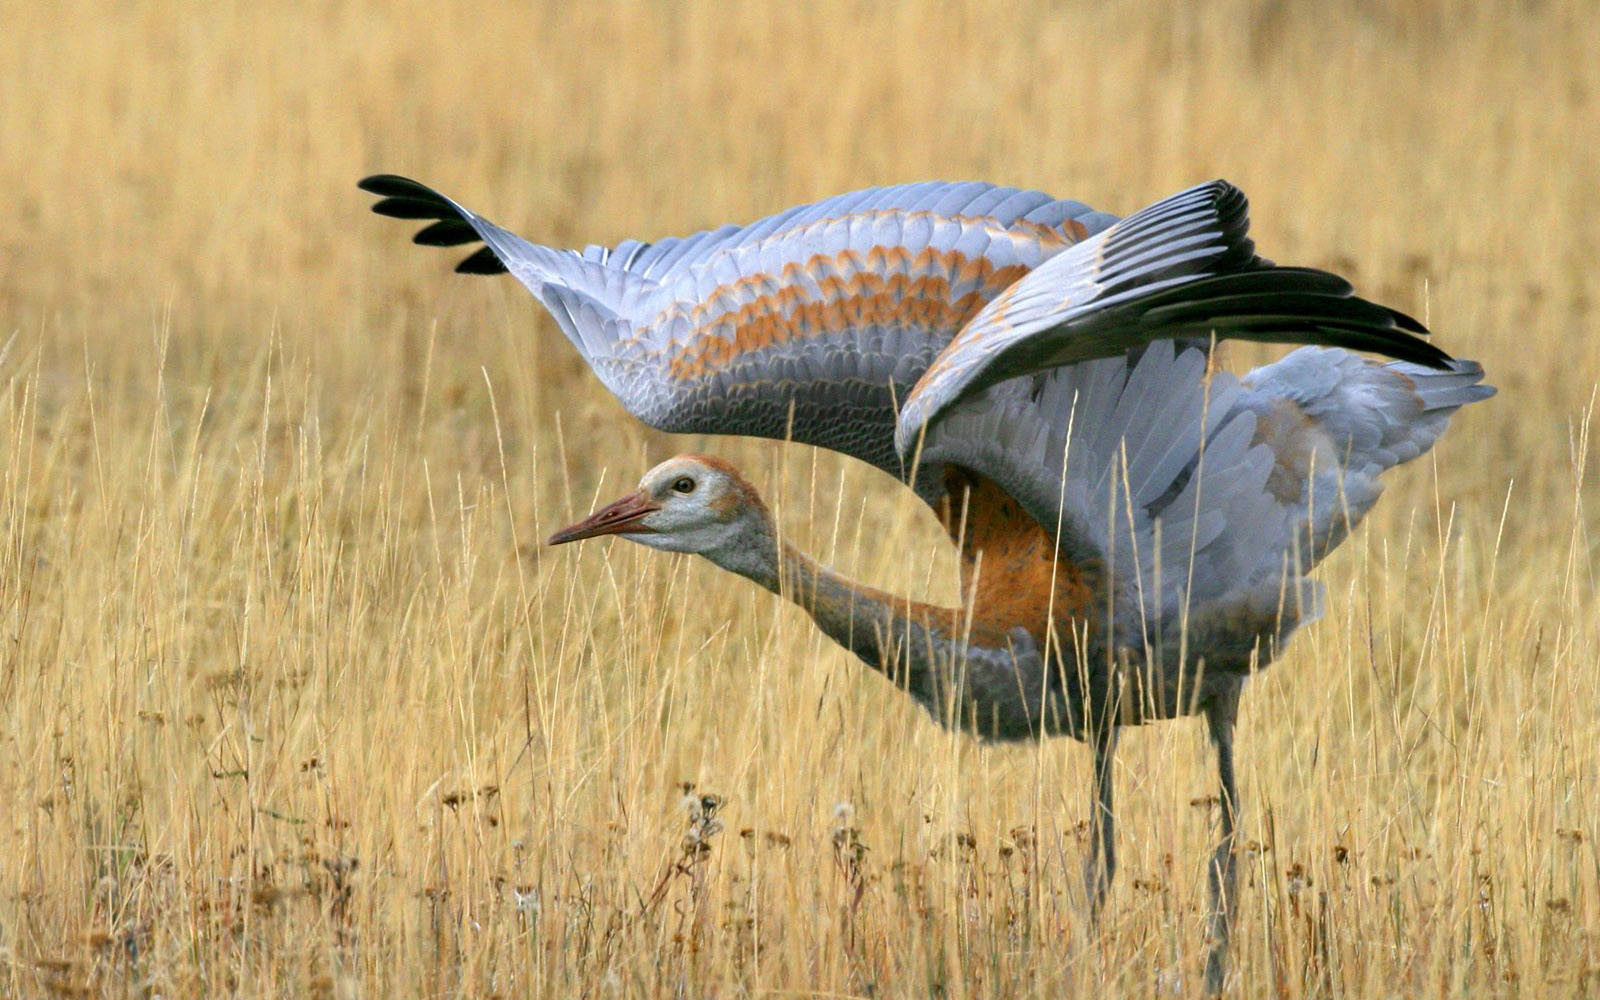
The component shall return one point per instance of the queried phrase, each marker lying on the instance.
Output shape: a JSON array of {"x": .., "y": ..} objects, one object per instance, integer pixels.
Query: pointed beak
[{"x": 620, "y": 518}]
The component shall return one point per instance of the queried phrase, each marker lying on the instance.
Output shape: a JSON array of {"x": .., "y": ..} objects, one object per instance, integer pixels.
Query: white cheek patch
[{"x": 666, "y": 543}]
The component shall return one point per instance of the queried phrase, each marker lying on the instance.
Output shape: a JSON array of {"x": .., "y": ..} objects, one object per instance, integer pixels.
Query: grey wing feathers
[
  {"x": 1207, "y": 499},
  {"x": 1332, "y": 423},
  {"x": 1337, "y": 421},
  {"x": 808, "y": 324},
  {"x": 812, "y": 324},
  {"x": 1101, "y": 451},
  {"x": 1184, "y": 267},
  {"x": 938, "y": 198}
]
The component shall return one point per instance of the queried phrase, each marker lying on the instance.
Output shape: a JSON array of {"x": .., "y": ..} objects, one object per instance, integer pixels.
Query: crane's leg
[
  {"x": 1220, "y": 714},
  {"x": 1101, "y": 866}
]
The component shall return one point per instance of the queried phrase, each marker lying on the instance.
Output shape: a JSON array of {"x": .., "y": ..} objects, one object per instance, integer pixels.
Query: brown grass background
[{"x": 292, "y": 702}]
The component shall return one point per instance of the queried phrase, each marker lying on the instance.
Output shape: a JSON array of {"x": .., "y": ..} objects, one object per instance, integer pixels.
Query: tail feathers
[
  {"x": 1368, "y": 416},
  {"x": 1446, "y": 390},
  {"x": 1336, "y": 422}
]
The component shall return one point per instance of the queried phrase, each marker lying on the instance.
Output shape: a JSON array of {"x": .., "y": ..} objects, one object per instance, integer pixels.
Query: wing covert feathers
[
  {"x": 1181, "y": 268},
  {"x": 809, "y": 324}
]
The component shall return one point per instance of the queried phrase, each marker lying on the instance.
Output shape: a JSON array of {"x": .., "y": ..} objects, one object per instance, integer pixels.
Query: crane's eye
[{"x": 683, "y": 484}]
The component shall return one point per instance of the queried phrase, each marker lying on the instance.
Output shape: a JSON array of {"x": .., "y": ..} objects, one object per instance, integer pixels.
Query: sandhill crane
[{"x": 1135, "y": 529}]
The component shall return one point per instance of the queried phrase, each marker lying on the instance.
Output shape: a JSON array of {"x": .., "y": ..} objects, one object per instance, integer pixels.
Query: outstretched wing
[
  {"x": 1203, "y": 500},
  {"x": 1183, "y": 267},
  {"x": 811, "y": 324}
]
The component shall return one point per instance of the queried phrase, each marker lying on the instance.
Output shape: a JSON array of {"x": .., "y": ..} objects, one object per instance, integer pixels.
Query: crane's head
[{"x": 691, "y": 503}]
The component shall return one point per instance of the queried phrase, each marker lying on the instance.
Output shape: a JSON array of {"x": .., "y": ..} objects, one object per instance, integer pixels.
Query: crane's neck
[
  {"x": 910, "y": 642},
  {"x": 994, "y": 683}
]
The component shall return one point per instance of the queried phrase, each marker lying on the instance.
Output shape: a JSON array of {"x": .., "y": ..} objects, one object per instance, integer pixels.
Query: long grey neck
[
  {"x": 918, "y": 647},
  {"x": 1001, "y": 691},
  {"x": 861, "y": 619}
]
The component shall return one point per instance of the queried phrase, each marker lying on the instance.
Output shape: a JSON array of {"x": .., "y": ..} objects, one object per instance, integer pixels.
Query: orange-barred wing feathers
[
  {"x": 812, "y": 323},
  {"x": 830, "y": 317}
]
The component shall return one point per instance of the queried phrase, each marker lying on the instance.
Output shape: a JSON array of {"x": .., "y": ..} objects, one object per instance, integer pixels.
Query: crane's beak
[{"x": 620, "y": 518}]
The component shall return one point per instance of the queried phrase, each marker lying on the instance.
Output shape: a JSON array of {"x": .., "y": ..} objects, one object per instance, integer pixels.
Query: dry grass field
[{"x": 293, "y": 702}]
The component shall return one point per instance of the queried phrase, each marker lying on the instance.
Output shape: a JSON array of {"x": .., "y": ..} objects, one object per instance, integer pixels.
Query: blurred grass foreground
[{"x": 294, "y": 703}]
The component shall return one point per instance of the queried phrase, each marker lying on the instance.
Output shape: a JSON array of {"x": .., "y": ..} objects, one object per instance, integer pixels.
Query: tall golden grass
[{"x": 294, "y": 703}]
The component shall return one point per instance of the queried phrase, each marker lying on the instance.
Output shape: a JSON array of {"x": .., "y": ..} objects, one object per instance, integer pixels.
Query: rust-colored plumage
[{"x": 1013, "y": 573}]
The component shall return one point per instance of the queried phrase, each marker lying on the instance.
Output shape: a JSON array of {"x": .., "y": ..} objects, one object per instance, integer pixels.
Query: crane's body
[{"x": 1135, "y": 528}]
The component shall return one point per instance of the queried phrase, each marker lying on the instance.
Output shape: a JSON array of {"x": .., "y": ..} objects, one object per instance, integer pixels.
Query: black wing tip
[
  {"x": 393, "y": 185},
  {"x": 1215, "y": 210},
  {"x": 1222, "y": 198},
  {"x": 1387, "y": 341},
  {"x": 1406, "y": 322},
  {"x": 1430, "y": 356},
  {"x": 446, "y": 233},
  {"x": 403, "y": 198},
  {"x": 1292, "y": 305},
  {"x": 407, "y": 207},
  {"x": 1233, "y": 210},
  {"x": 483, "y": 261},
  {"x": 1326, "y": 300},
  {"x": 1397, "y": 345},
  {"x": 378, "y": 183},
  {"x": 1228, "y": 197},
  {"x": 1225, "y": 199}
]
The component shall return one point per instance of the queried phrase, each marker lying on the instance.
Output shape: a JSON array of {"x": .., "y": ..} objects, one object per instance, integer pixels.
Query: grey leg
[
  {"x": 1220, "y": 714},
  {"x": 1101, "y": 866}
]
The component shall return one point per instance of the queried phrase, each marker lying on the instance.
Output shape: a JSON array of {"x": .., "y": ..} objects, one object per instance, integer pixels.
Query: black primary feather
[{"x": 403, "y": 198}]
